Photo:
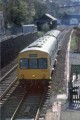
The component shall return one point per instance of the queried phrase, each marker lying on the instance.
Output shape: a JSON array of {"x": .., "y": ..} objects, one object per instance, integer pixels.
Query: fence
[{"x": 74, "y": 94}]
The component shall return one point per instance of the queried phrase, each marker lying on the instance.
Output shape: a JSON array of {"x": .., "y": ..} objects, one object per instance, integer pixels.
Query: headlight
[{"x": 33, "y": 76}]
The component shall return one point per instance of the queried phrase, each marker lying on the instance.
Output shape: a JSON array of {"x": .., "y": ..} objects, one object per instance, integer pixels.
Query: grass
[
  {"x": 73, "y": 46},
  {"x": 75, "y": 40}
]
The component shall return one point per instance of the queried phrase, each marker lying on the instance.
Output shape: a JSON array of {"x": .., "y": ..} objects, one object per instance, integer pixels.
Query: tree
[
  {"x": 18, "y": 13},
  {"x": 36, "y": 8},
  {"x": 1, "y": 6},
  {"x": 22, "y": 11},
  {"x": 40, "y": 9},
  {"x": 30, "y": 11}
]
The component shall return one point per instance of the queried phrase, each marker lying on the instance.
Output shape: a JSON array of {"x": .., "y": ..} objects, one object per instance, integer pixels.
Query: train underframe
[{"x": 35, "y": 83}]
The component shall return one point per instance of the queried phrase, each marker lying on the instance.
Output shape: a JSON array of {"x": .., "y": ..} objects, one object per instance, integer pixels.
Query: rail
[
  {"x": 14, "y": 114},
  {"x": 38, "y": 111},
  {"x": 10, "y": 86},
  {"x": 8, "y": 73}
]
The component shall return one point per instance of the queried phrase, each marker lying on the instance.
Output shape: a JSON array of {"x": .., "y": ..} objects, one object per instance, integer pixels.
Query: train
[{"x": 36, "y": 62}]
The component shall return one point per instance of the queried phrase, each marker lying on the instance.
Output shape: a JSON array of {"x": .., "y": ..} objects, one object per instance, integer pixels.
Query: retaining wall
[{"x": 11, "y": 46}]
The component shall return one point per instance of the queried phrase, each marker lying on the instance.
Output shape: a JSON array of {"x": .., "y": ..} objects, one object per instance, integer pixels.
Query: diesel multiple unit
[{"x": 36, "y": 62}]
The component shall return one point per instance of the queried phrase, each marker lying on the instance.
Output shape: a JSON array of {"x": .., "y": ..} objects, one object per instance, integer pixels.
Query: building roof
[
  {"x": 46, "y": 17},
  {"x": 50, "y": 16}
]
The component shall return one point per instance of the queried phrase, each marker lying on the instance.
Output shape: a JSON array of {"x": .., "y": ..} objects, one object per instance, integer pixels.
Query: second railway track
[{"x": 7, "y": 84}]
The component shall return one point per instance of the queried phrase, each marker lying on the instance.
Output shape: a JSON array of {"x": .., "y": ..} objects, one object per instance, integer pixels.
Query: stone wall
[{"x": 11, "y": 46}]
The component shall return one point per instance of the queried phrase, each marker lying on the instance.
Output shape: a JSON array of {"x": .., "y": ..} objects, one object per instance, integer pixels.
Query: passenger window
[
  {"x": 33, "y": 63},
  {"x": 42, "y": 63},
  {"x": 23, "y": 63}
]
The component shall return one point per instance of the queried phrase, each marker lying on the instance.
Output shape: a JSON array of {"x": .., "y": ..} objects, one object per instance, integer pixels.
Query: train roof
[
  {"x": 53, "y": 33},
  {"x": 44, "y": 44}
]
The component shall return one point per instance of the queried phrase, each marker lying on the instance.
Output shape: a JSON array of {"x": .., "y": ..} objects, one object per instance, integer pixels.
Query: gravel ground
[{"x": 59, "y": 78}]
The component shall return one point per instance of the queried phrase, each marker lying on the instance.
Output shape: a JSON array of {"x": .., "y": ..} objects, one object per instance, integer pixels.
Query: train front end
[{"x": 33, "y": 65}]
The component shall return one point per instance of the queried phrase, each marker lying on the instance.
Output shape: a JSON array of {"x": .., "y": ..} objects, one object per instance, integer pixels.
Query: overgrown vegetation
[
  {"x": 45, "y": 27},
  {"x": 73, "y": 43},
  {"x": 40, "y": 33},
  {"x": 22, "y": 11},
  {"x": 75, "y": 40}
]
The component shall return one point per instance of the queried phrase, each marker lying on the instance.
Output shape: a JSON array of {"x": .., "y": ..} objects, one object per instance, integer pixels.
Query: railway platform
[
  {"x": 63, "y": 110},
  {"x": 54, "y": 113},
  {"x": 70, "y": 112}
]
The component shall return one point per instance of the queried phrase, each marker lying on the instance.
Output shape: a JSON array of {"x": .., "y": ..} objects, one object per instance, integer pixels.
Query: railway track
[
  {"x": 5, "y": 95},
  {"x": 35, "y": 104},
  {"x": 7, "y": 84},
  {"x": 32, "y": 102},
  {"x": 12, "y": 103},
  {"x": 8, "y": 73},
  {"x": 26, "y": 103}
]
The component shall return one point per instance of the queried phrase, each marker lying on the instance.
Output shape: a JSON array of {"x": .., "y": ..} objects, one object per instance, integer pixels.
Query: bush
[
  {"x": 39, "y": 33},
  {"x": 45, "y": 27}
]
